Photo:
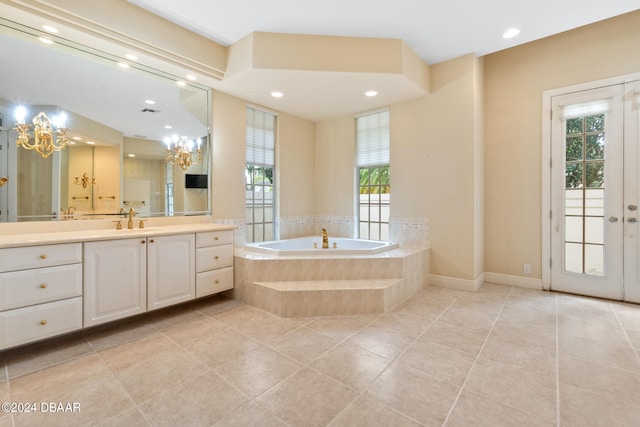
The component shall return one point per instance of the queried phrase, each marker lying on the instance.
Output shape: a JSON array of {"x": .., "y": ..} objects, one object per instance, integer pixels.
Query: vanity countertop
[{"x": 13, "y": 240}]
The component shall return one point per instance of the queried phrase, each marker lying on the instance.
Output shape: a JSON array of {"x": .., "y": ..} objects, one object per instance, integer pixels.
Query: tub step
[{"x": 328, "y": 297}]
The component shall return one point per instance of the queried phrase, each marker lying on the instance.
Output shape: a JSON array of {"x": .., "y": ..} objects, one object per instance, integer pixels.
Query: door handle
[
  {"x": 612, "y": 219},
  {"x": 632, "y": 220}
]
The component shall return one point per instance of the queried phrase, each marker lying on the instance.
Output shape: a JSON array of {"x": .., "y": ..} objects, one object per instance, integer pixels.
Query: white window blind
[
  {"x": 372, "y": 133},
  {"x": 261, "y": 129},
  {"x": 586, "y": 109}
]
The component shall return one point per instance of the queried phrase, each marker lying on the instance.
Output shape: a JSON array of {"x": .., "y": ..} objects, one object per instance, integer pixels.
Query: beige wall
[
  {"x": 434, "y": 146},
  {"x": 296, "y": 168},
  {"x": 514, "y": 81}
]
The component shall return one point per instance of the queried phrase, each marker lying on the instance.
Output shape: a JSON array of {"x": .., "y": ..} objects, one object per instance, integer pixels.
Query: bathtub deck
[{"x": 327, "y": 297}]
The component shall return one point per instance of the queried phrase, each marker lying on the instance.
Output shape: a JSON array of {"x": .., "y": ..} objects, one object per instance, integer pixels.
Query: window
[
  {"x": 374, "y": 191},
  {"x": 260, "y": 175}
]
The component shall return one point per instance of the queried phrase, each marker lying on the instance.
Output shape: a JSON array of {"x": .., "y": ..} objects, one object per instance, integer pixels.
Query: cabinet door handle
[
  {"x": 215, "y": 238},
  {"x": 151, "y": 241},
  {"x": 215, "y": 257},
  {"x": 43, "y": 285},
  {"x": 142, "y": 241},
  {"x": 43, "y": 322},
  {"x": 43, "y": 256},
  {"x": 217, "y": 281}
]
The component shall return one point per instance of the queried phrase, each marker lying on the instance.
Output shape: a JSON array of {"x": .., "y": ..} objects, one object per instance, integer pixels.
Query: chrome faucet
[
  {"x": 325, "y": 239},
  {"x": 130, "y": 222}
]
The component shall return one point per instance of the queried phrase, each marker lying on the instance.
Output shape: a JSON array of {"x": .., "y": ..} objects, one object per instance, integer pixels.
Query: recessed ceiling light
[
  {"x": 371, "y": 93},
  {"x": 181, "y": 83},
  {"x": 131, "y": 57},
  {"x": 149, "y": 101},
  {"x": 191, "y": 77},
  {"x": 277, "y": 94},
  {"x": 168, "y": 127},
  {"x": 77, "y": 138},
  {"x": 91, "y": 143},
  {"x": 45, "y": 40},
  {"x": 123, "y": 65},
  {"x": 511, "y": 33},
  {"x": 131, "y": 155},
  {"x": 50, "y": 29}
]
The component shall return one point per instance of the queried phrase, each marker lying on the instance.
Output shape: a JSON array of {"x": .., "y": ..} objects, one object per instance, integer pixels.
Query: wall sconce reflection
[
  {"x": 43, "y": 139},
  {"x": 85, "y": 181},
  {"x": 180, "y": 151}
]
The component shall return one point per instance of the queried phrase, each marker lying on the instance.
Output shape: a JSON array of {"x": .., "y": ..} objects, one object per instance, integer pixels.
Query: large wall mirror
[{"x": 122, "y": 122}]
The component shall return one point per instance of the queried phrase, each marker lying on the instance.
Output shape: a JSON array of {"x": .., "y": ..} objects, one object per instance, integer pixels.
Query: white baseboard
[
  {"x": 474, "y": 285},
  {"x": 455, "y": 283},
  {"x": 517, "y": 281}
]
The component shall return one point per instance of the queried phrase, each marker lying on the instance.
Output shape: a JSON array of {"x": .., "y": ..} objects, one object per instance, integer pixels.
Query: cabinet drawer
[
  {"x": 33, "y": 323},
  {"x": 214, "y": 238},
  {"x": 40, "y": 256},
  {"x": 214, "y": 257},
  {"x": 214, "y": 281},
  {"x": 35, "y": 286}
]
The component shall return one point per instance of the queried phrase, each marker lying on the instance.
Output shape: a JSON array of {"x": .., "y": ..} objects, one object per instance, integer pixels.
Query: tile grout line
[
  {"x": 464, "y": 383},
  {"x": 626, "y": 334}
]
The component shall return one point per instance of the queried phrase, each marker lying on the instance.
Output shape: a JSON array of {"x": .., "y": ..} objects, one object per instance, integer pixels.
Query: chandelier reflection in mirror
[
  {"x": 85, "y": 181},
  {"x": 180, "y": 151},
  {"x": 43, "y": 139}
]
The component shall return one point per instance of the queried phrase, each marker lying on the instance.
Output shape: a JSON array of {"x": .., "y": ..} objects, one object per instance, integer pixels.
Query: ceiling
[{"x": 435, "y": 30}]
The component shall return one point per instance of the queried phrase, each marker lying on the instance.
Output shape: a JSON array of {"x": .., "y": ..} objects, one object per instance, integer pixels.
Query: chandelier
[
  {"x": 43, "y": 139},
  {"x": 85, "y": 181},
  {"x": 180, "y": 151}
]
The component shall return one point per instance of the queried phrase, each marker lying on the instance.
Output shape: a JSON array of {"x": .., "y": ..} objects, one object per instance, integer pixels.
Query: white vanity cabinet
[
  {"x": 129, "y": 276},
  {"x": 115, "y": 279},
  {"x": 171, "y": 270},
  {"x": 40, "y": 292},
  {"x": 214, "y": 262}
]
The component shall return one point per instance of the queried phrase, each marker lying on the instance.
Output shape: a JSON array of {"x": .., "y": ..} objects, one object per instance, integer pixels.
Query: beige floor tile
[
  {"x": 604, "y": 380},
  {"x": 340, "y": 327},
  {"x": 531, "y": 390},
  {"x": 251, "y": 414},
  {"x": 303, "y": 344},
  {"x": 267, "y": 329},
  {"x": 173, "y": 316},
  {"x": 439, "y": 361},
  {"x": 473, "y": 409},
  {"x": 494, "y": 292},
  {"x": 366, "y": 411},
  {"x": 221, "y": 347},
  {"x": 200, "y": 402},
  {"x": 410, "y": 325},
  {"x": 457, "y": 337},
  {"x": 98, "y": 398},
  {"x": 480, "y": 305},
  {"x": 415, "y": 394},
  {"x": 614, "y": 352},
  {"x": 216, "y": 304},
  {"x": 429, "y": 310},
  {"x": 6, "y": 421},
  {"x": 133, "y": 352},
  {"x": 258, "y": 370},
  {"x": 385, "y": 342},
  {"x": 581, "y": 408},
  {"x": 307, "y": 398},
  {"x": 33, "y": 357},
  {"x": 477, "y": 322},
  {"x": 130, "y": 418},
  {"x": 239, "y": 317},
  {"x": 351, "y": 365},
  {"x": 519, "y": 354},
  {"x": 157, "y": 372},
  {"x": 102, "y": 337},
  {"x": 190, "y": 332},
  {"x": 44, "y": 384}
]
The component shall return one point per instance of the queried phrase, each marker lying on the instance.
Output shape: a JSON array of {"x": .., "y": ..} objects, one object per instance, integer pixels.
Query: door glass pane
[
  {"x": 573, "y": 257},
  {"x": 584, "y": 195},
  {"x": 573, "y": 229},
  {"x": 594, "y": 230},
  {"x": 594, "y": 260}
]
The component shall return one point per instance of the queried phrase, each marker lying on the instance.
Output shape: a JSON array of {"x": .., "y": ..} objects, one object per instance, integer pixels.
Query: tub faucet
[{"x": 325, "y": 239}]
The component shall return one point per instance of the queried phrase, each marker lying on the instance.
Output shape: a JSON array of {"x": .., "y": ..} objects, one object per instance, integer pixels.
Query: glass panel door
[{"x": 587, "y": 195}]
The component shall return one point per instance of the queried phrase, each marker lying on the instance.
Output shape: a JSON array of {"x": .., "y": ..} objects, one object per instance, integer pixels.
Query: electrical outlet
[{"x": 527, "y": 269}]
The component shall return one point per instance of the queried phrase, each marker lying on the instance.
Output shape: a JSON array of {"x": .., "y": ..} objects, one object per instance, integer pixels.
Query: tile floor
[{"x": 500, "y": 357}]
